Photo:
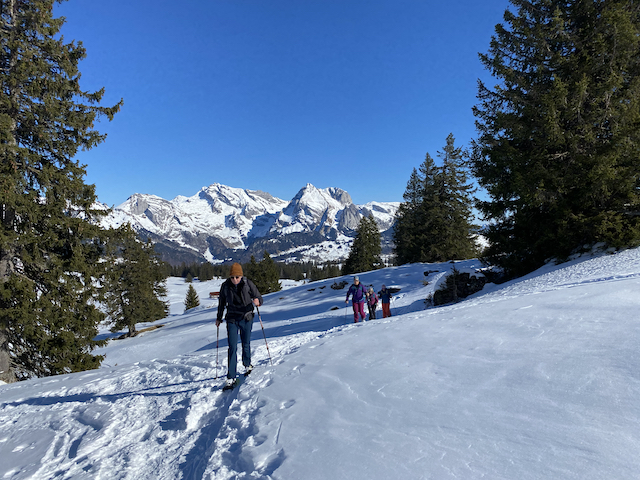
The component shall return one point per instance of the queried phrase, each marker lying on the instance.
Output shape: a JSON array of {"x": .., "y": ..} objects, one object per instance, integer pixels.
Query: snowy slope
[{"x": 535, "y": 379}]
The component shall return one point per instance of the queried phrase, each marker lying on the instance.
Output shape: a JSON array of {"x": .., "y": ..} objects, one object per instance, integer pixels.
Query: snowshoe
[{"x": 230, "y": 384}]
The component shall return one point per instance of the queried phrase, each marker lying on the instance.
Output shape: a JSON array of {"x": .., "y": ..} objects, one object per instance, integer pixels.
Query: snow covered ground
[{"x": 535, "y": 379}]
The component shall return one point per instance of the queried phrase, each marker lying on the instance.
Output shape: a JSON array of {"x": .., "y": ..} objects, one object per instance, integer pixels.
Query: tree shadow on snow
[
  {"x": 335, "y": 318},
  {"x": 112, "y": 397}
]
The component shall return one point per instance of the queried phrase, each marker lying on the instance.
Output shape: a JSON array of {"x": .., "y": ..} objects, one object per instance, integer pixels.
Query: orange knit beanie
[{"x": 236, "y": 270}]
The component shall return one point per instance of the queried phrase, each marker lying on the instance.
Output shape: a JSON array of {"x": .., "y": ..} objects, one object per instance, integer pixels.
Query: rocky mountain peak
[{"x": 220, "y": 223}]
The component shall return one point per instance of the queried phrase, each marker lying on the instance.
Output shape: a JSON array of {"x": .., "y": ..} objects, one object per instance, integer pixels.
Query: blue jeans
[{"x": 234, "y": 326}]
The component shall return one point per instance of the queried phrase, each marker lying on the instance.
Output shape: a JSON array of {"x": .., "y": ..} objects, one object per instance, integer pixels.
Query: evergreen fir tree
[
  {"x": 404, "y": 238},
  {"x": 134, "y": 284},
  {"x": 253, "y": 271},
  {"x": 270, "y": 275},
  {"x": 192, "y": 300},
  {"x": 206, "y": 272},
  {"x": 50, "y": 245},
  {"x": 365, "y": 250},
  {"x": 452, "y": 212},
  {"x": 264, "y": 274},
  {"x": 412, "y": 231},
  {"x": 328, "y": 270},
  {"x": 559, "y": 134},
  {"x": 433, "y": 224}
]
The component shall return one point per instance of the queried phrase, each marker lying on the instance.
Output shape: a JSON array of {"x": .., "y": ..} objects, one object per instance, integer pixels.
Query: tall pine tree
[
  {"x": 50, "y": 245},
  {"x": 416, "y": 228},
  {"x": 264, "y": 274},
  {"x": 252, "y": 271},
  {"x": 433, "y": 224},
  {"x": 559, "y": 135},
  {"x": 135, "y": 283},
  {"x": 456, "y": 235},
  {"x": 270, "y": 275},
  {"x": 365, "y": 250}
]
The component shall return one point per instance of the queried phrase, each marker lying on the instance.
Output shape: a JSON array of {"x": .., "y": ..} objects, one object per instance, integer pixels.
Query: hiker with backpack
[
  {"x": 359, "y": 293},
  {"x": 239, "y": 296},
  {"x": 372, "y": 303},
  {"x": 385, "y": 298}
]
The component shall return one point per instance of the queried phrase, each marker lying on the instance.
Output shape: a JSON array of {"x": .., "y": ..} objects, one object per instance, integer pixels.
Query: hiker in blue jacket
[
  {"x": 359, "y": 293},
  {"x": 385, "y": 297}
]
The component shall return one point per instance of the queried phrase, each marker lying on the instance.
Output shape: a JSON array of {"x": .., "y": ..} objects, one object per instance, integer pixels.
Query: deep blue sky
[{"x": 274, "y": 94}]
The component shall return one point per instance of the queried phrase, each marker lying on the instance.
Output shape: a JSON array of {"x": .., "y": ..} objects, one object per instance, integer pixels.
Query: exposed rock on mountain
[{"x": 222, "y": 223}]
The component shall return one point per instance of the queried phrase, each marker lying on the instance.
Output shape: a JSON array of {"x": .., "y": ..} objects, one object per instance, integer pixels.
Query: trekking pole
[
  {"x": 217, "y": 338},
  {"x": 265, "y": 336}
]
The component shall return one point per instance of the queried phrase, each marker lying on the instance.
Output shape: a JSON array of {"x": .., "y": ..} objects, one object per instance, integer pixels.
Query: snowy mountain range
[{"x": 222, "y": 223}]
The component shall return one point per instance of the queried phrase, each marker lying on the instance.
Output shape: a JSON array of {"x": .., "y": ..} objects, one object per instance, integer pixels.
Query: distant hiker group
[{"x": 360, "y": 294}]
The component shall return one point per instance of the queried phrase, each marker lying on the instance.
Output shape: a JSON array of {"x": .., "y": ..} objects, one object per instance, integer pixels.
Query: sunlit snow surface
[{"x": 535, "y": 379}]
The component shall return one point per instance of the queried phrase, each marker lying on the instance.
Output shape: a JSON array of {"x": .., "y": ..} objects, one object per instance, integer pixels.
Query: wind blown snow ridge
[
  {"x": 534, "y": 379},
  {"x": 580, "y": 271}
]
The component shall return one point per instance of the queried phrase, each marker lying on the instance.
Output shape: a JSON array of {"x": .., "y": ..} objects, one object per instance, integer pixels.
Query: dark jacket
[
  {"x": 385, "y": 296},
  {"x": 238, "y": 300}
]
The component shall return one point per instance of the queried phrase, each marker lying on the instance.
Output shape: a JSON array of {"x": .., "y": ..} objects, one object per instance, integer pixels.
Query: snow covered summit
[{"x": 222, "y": 223}]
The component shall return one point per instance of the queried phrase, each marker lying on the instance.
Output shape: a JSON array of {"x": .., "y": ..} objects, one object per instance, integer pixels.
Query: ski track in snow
[
  {"x": 201, "y": 435},
  {"x": 203, "y": 432}
]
